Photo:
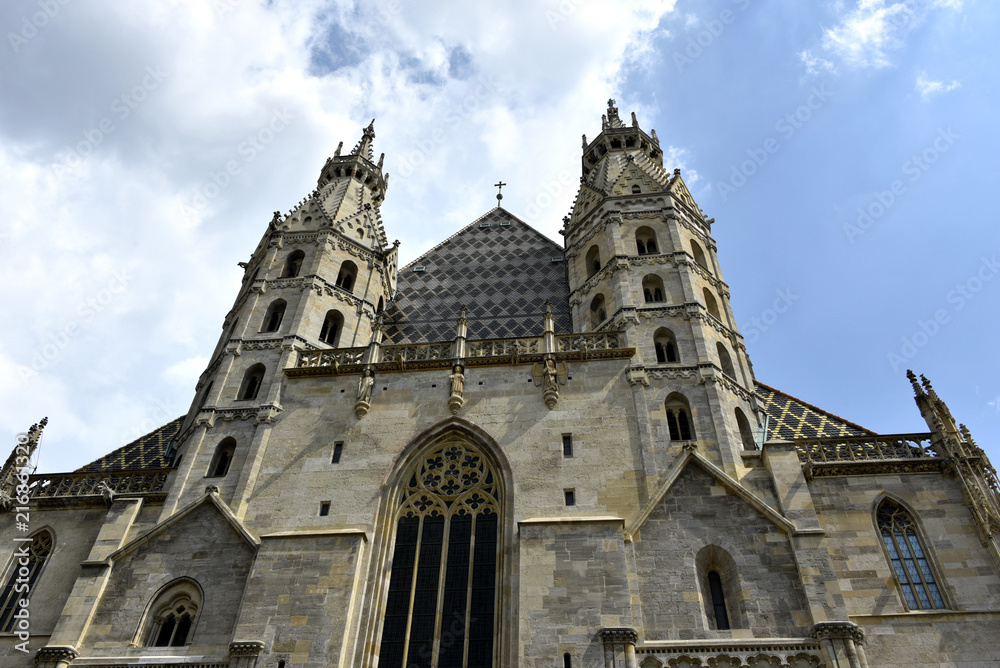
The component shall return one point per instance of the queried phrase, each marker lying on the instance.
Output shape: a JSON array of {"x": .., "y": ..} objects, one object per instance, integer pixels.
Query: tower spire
[{"x": 364, "y": 147}]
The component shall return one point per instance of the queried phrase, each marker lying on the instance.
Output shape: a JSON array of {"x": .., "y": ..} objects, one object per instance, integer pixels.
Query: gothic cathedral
[{"x": 507, "y": 453}]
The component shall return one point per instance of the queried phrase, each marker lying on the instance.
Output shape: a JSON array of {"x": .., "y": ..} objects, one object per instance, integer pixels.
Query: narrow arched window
[
  {"x": 698, "y": 253},
  {"x": 272, "y": 318},
  {"x": 645, "y": 241},
  {"x": 593, "y": 261},
  {"x": 441, "y": 609},
  {"x": 347, "y": 275},
  {"x": 725, "y": 361},
  {"x": 652, "y": 289},
  {"x": 293, "y": 264},
  {"x": 711, "y": 304},
  {"x": 223, "y": 458},
  {"x": 665, "y": 346},
  {"x": 171, "y": 617},
  {"x": 907, "y": 557},
  {"x": 25, "y": 567},
  {"x": 598, "y": 311},
  {"x": 679, "y": 418},
  {"x": 332, "y": 326},
  {"x": 381, "y": 305},
  {"x": 746, "y": 433},
  {"x": 252, "y": 380},
  {"x": 718, "y": 601}
]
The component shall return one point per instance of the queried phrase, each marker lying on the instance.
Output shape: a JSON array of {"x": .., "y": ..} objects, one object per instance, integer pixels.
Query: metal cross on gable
[{"x": 499, "y": 186}]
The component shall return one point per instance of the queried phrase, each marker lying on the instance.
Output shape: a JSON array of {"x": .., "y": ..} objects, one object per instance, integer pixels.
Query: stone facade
[{"x": 384, "y": 475}]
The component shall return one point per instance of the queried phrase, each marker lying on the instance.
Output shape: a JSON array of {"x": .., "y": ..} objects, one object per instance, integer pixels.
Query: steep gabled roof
[
  {"x": 146, "y": 452},
  {"x": 499, "y": 267},
  {"x": 793, "y": 418}
]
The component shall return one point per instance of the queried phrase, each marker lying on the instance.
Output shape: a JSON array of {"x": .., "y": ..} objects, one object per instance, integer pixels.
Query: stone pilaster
[{"x": 619, "y": 646}]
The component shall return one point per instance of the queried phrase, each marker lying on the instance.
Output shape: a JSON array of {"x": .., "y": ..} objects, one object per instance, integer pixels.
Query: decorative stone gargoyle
[{"x": 550, "y": 377}]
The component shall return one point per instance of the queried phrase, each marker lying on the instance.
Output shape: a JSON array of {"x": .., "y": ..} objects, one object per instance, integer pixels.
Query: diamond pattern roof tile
[
  {"x": 502, "y": 273},
  {"x": 792, "y": 418},
  {"x": 146, "y": 452}
]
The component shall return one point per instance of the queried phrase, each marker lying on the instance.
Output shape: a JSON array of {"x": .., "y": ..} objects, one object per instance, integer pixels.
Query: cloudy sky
[{"x": 847, "y": 150}]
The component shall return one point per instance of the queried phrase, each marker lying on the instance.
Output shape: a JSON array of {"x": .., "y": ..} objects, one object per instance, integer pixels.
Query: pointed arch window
[
  {"x": 746, "y": 433},
  {"x": 332, "y": 325},
  {"x": 593, "y": 261},
  {"x": 252, "y": 380},
  {"x": 679, "y": 418},
  {"x": 346, "y": 276},
  {"x": 171, "y": 618},
  {"x": 698, "y": 253},
  {"x": 293, "y": 264},
  {"x": 645, "y": 241},
  {"x": 25, "y": 567},
  {"x": 711, "y": 304},
  {"x": 665, "y": 346},
  {"x": 598, "y": 312},
  {"x": 907, "y": 557},
  {"x": 444, "y": 564},
  {"x": 725, "y": 361},
  {"x": 272, "y": 318},
  {"x": 223, "y": 458}
]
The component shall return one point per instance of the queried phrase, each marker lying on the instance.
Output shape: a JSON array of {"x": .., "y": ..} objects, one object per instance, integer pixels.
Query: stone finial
[
  {"x": 635, "y": 121},
  {"x": 381, "y": 159},
  {"x": 917, "y": 390},
  {"x": 652, "y": 133},
  {"x": 584, "y": 141},
  {"x": 340, "y": 147}
]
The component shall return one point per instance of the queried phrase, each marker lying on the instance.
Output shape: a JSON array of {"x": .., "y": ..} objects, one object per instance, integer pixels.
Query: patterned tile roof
[
  {"x": 146, "y": 452},
  {"x": 499, "y": 267},
  {"x": 792, "y": 418}
]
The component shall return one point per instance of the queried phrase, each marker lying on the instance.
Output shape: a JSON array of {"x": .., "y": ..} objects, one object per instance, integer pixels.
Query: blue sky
[{"x": 847, "y": 151}]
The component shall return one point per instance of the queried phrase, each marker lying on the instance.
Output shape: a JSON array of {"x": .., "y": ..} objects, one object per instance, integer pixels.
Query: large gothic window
[
  {"x": 909, "y": 562},
  {"x": 25, "y": 567},
  {"x": 441, "y": 610}
]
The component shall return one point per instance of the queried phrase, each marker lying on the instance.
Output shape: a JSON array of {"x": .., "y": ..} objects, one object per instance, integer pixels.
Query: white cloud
[
  {"x": 460, "y": 96},
  {"x": 816, "y": 65},
  {"x": 867, "y": 35},
  {"x": 929, "y": 88}
]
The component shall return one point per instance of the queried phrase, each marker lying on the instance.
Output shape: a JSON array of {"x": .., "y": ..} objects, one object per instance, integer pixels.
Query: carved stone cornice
[
  {"x": 55, "y": 654},
  {"x": 246, "y": 648},
  {"x": 672, "y": 372},
  {"x": 838, "y": 630},
  {"x": 619, "y": 634}
]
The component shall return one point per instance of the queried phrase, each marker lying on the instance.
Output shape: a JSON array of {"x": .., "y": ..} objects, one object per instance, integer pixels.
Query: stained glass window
[{"x": 907, "y": 557}]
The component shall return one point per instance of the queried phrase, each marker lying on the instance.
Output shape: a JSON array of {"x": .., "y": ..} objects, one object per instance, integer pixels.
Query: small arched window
[
  {"x": 907, "y": 557},
  {"x": 22, "y": 574},
  {"x": 204, "y": 395},
  {"x": 593, "y": 261},
  {"x": 272, "y": 318},
  {"x": 252, "y": 381},
  {"x": 652, "y": 289},
  {"x": 381, "y": 305},
  {"x": 223, "y": 458},
  {"x": 293, "y": 264},
  {"x": 718, "y": 583},
  {"x": 171, "y": 618},
  {"x": 725, "y": 361},
  {"x": 332, "y": 326},
  {"x": 598, "y": 312},
  {"x": 636, "y": 190},
  {"x": 711, "y": 304},
  {"x": 679, "y": 418},
  {"x": 645, "y": 241},
  {"x": 347, "y": 274},
  {"x": 698, "y": 253},
  {"x": 718, "y": 601},
  {"x": 746, "y": 433},
  {"x": 665, "y": 346}
]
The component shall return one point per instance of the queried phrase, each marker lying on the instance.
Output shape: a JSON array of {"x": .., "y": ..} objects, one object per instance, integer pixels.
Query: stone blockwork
[{"x": 701, "y": 526}]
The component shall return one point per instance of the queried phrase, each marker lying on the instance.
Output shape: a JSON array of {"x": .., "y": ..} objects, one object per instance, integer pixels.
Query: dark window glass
[{"x": 718, "y": 601}]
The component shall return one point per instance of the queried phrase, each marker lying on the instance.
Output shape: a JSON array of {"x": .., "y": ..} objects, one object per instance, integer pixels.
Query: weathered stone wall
[
  {"x": 764, "y": 596},
  {"x": 202, "y": 546}
]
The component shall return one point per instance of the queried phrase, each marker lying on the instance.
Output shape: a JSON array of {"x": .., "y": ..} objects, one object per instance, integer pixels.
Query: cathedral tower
[
  {"x": 319, "y": 278},
  {"x": 641, "y": 259}
]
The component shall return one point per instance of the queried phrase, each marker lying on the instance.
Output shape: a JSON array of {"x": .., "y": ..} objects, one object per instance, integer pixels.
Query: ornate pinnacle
[{"x": 917, "y": 390}]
